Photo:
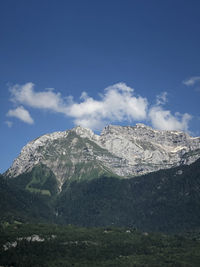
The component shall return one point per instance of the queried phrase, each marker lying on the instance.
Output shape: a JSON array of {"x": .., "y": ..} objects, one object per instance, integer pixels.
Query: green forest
[
  {"x": 164, "y": 201},
  {"x": 151, "y": 220},
  {"x": 41, "y": 245}
]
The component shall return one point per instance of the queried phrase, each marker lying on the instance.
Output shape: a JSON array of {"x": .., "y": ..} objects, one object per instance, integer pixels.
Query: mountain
[
  {"x": 166, "y": 200},
  {"x": 18, "y": 204},
  {"x": 79, "y": 154},
  {"x": 77, "y": 177}
]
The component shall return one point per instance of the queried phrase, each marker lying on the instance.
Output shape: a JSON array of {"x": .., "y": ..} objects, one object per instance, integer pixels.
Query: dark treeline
[
  {"x": 25, "y": 245},
  {"x": 164, "y": 201}
]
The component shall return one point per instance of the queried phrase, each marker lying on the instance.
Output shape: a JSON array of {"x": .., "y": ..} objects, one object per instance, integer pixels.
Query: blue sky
[{"x": 93, "y": 63}]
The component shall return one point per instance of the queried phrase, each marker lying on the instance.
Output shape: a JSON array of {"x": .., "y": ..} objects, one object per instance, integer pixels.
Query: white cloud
[
  {"x": 21, "y": 113},
  {"x": 164, "y": 120},
  {"x": 26, "y": 95},
  {"x": 192, "y": 81},
  {"x": 118, "y": 103},
  {"x": 161, "y": 99},
  {"x": 9, "y": 123}
]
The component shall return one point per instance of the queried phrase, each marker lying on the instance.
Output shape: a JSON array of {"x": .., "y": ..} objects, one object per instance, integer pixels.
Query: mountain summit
[{"x": 123, "y": 151}]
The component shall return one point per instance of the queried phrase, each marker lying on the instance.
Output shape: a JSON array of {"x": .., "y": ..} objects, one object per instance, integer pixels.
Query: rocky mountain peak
[
  {"x": 85, "y": 133},
  {"x": 119, "y": 150}
]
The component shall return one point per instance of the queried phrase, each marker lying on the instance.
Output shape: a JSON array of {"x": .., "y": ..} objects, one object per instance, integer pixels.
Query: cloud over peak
[
  {"x": 164, "y": 120},
  {"x": 118, "y": 103}
]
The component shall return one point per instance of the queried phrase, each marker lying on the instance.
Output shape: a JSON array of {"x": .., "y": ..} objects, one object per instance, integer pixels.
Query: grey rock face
[{"x": 123, "y": 151}]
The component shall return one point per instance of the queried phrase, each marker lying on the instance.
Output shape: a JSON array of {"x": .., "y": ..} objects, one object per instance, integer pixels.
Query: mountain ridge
[{"x": 122, "y": 151}]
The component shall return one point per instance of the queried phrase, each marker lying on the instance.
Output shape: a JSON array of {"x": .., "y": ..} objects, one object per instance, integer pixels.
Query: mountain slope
[
  {"x": 119, "y": 151},
  {"x": 167, "y": 200},
  {"x": 18, "y": 204},
  {"x": 73, "y": 177}
]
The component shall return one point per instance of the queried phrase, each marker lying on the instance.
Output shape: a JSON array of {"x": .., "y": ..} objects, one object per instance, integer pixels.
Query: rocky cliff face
[{"x": 121, "y": 151}]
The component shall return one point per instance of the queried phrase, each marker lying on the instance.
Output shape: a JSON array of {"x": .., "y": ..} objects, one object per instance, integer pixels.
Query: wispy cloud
[
  {"x": 118, "y": 103},
  {"x": 9, "y": 123},
  {"x": 192, "y": 81},
  {"x": 161, "y": 99},
  {"x": 20, "y": 113}
]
